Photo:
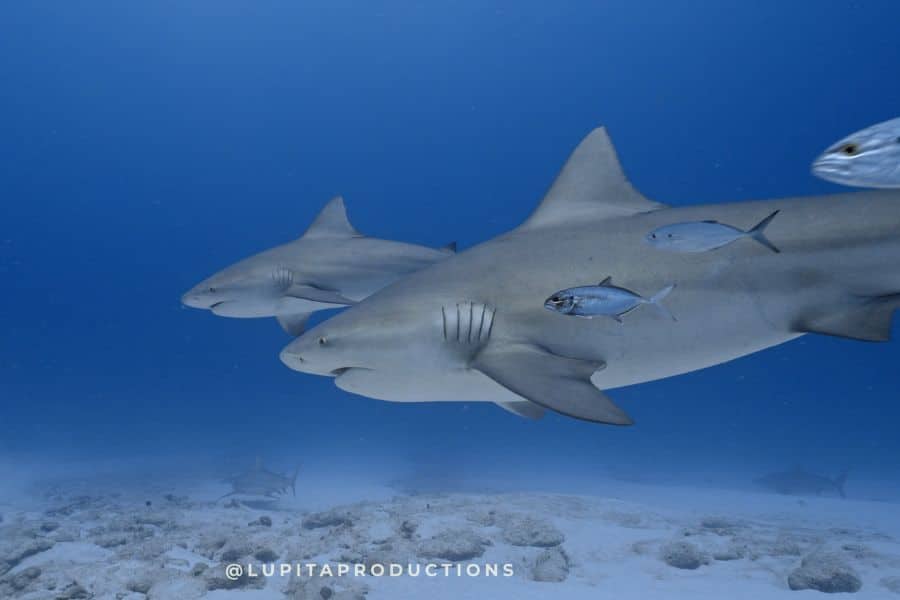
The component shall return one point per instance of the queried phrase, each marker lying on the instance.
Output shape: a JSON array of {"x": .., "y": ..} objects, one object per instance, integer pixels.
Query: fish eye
[
  {"x": 670, "y": 236},
  {"x": 322, "y": 341},
  {"x": 653, "y": 236},
  {"x": 212, "y": 290},
  {"x": 850, "y": 149}
]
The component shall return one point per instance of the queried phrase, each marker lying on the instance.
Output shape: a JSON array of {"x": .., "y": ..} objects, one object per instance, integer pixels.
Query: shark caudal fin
[
  {"x": 657, "y": 298},
  {"x": 758, "y": 233},
  {"x": 294, "y": 480},
  {"x": 591, "y": 185},
  {"x": 839, "y": 482}
]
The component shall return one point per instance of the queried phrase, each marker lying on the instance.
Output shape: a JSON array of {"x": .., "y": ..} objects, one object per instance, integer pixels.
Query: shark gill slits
[{"x": 467, "y": 322}]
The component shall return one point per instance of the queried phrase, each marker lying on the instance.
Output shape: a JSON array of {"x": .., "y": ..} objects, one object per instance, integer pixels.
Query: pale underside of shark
[
  {"x": 332, "y": 265},
  {"x": 473, "y": 327}
]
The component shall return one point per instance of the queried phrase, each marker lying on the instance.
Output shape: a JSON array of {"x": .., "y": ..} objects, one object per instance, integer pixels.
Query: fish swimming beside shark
[
  {"x": 703, "y": 236},
  {"x": 869, "y": 157},
  {"x": 331, "y": 265},
  {"x": 604, "y": 299}
]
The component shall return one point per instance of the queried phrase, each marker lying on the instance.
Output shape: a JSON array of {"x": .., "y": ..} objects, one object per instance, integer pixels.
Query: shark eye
[
  {"x": 849, "y": 149},
  {"x": 322, "y": 341},
  {"x": 212, "y": 290},
  {"x": 653, "y": 236}
]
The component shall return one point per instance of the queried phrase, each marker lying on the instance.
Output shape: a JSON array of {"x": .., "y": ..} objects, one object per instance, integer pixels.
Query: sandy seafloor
[{"x": 117, "y": 534}]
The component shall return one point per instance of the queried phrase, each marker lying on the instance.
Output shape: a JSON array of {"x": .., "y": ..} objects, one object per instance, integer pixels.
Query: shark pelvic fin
[
  {"x": 332, "y": 221},
  {"x": 529, "y": 410},
  {"x": 556, "y": 382},
  {"x": 294, "y": 324},
  {"x": 870, "y": 321},
  {"x": 591, "y": 185}
]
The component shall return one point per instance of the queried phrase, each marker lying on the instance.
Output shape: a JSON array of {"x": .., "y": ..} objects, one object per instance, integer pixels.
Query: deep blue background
[{"x": 145, "y": 145}]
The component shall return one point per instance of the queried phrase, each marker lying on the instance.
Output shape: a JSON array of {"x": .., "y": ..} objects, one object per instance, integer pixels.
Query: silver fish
[
  {"x": 604, "y": 299},
  {"x": 868, "y": 158},
  {"x": 702, "y": 236}
]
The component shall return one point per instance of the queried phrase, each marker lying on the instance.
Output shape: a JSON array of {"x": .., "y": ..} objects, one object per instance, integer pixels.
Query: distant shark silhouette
[
  {"x": 331, "y": 265},
  {"x": 474, "y": 328}
]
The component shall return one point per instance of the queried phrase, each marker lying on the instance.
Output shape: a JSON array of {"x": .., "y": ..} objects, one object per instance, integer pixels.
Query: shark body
[
  {"x": 330, "y": 266},
  {"x": 474, "y": 327}
]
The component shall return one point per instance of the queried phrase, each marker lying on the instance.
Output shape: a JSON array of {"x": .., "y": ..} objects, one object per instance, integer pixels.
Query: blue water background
[{"x": 145, "y": 145}]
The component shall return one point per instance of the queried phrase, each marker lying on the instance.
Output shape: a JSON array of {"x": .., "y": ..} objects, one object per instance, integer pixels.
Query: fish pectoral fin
[
  {"x": 529, "y": 410},
  {"x": 868, "y": 322},
  {"x": 313, "y": 293},
  {"x": 293, "y": 324},
  {"x": 556, "y": 382}
]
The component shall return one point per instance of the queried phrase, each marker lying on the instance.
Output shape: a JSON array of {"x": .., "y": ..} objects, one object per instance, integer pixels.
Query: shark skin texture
[
  {"x": 332, "y": 265},
  {"x": 837, "y": 273}
]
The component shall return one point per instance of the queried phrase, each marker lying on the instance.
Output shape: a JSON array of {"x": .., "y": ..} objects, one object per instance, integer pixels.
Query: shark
[
  {"x": 798, "y": 481},
  {"x": 260, "y": 481},
  {"x": 474, "y": 327},
  {"x": 331, "y": 265}
]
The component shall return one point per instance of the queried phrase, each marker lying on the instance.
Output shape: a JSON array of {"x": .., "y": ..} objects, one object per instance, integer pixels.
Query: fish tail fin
[
  {"x": 657, "y": 298},
  {"x": 758, "y": 233},
  {"x": 839, "y": 482}
]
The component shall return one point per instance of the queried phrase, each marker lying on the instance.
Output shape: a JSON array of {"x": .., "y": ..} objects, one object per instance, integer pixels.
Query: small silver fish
[
  {"x": 702, "y": 236},
  {"x": 868, "y": 158},
  {"x": 604, "y": 299}
]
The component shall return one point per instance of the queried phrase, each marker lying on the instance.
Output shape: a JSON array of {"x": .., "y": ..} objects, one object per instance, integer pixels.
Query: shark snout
[{"x": 195, "y": 299}]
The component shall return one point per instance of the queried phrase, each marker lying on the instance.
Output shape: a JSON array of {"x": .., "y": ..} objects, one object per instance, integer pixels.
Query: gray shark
[
  {"x": 259, "y": 481},
  {"x": 474, "y": 327},
  {"x": 331, "y": 265},
  {"x": 797, "y": 481}
]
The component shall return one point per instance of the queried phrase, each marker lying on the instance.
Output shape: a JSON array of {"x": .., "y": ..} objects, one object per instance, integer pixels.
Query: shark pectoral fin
[
  {"x": 317, "y": 294},
  {"x": 590, "y": 185},
  {"x": 529, "y": 410},
  {"x": 294, "y": 324},
  {"x": 869, "y": 322},
  {"x": 552, "y": 381}
]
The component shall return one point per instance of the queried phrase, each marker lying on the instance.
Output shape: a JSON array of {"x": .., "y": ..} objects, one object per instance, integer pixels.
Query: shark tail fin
[
  {"x": 758, "y": 233},
  {"x": 294, "y": 480},
  {"x": 657, "y": 298},
  {"x": 839, "y": 483}
]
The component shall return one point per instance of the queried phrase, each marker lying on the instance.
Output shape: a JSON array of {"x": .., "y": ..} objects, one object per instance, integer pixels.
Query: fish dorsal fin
[
  {"x": 332, "y": 221},
  {"x": 591, "y": 186},
  {"x": 606, "y": 281}
]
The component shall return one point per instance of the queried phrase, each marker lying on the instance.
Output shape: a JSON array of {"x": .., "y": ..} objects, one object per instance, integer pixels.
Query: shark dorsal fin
[
  {"x": 591, "y": 186},
  {"x": 332, "y": 221}
]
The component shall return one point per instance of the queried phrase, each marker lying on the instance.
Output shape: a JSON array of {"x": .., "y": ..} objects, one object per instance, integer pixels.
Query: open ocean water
[{"x": 144, "y": 146}]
